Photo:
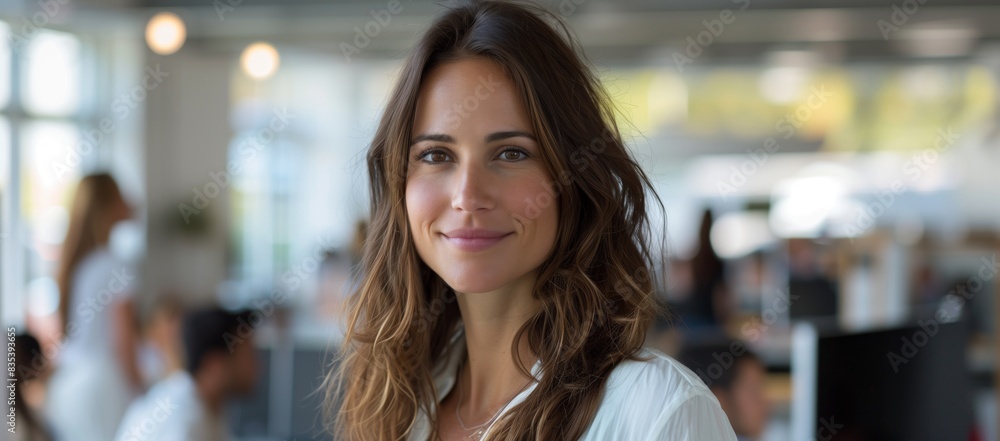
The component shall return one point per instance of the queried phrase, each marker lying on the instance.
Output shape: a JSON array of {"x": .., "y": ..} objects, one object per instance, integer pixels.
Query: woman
[
  {"x": 97, "y": 374},
  {"x": 707, "y": 305},
  {"x": 505, "y": 293}
]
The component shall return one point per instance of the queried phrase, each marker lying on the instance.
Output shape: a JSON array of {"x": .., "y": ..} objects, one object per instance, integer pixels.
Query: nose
[{"x": 472, "y": 190}]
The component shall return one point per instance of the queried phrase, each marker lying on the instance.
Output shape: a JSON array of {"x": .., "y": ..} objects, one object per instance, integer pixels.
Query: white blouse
[
  {"x": 658, "y": 399},
  {"x": 172, "y": 411},
  {"x": 88, "y": 369}
]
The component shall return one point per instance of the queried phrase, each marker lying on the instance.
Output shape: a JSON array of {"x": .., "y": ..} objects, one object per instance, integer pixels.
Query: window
[
  {"x": 51, "y": 73},
  {"x": 40, "y": 163}
]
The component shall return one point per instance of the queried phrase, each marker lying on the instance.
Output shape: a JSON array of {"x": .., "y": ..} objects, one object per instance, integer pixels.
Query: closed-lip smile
[{"x": 474, "y": 239}]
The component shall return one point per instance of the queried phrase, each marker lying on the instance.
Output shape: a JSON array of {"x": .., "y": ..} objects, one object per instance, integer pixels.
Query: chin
[
  {"x": 472, "y": 283},
  {"x": 244, "y": 390},
  {"x": 473, "y": 288}
]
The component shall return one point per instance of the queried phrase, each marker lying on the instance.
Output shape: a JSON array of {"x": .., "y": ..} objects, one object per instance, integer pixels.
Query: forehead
[{"x": 469, "y": 97}]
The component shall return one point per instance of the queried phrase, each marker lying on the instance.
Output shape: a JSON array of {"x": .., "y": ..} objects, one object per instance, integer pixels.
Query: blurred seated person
[
  {"x": 31, "y": 371},
  {"x": 736, "y": 376},
  {"x": 161, "y": 351},
  {"x": 220, "y": 364}
]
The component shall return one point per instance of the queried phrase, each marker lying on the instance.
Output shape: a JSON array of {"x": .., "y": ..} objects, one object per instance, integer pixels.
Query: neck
[
  {"x": 210, "y": 394},
  {"x": 489, "y": 378}
]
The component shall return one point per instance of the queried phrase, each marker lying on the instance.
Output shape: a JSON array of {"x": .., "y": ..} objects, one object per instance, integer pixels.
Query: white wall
[{"x": 187, "y": 137}]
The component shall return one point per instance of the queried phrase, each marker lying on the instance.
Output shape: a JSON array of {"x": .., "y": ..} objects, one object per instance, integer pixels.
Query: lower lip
[{"x": 477, "y": 244}]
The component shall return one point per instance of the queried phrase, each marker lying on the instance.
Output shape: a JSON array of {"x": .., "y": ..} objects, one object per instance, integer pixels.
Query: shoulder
[
  {"x": 656, "y": 378},
  {"x": 654, "y": 397},
  {"x": 99, "y": 257},
  {"x": 171, "y": 403},
  {"x": 101, "y": 269}
]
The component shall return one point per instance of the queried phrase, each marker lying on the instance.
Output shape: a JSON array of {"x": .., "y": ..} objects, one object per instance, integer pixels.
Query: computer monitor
[
  {"x": 814, "y": 298},
  {"x": 909, "y": 383}
]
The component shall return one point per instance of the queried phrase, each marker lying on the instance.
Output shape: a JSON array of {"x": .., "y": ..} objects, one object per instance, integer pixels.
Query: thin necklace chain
[{"x": 461, "y": 396}]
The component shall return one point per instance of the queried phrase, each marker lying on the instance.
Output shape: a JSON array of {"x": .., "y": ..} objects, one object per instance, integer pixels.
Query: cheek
[
  {"x": 419, "y": 202},
  {"x": 749, "y": 405},
  {"x": 533, "y": 204},
  {"x": 424, "y": 204}
]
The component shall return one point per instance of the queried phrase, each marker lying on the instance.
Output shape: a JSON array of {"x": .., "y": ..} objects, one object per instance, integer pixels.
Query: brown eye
[
  {"x": 433, "y": 156},
  {"x": 513, "y": 155}
]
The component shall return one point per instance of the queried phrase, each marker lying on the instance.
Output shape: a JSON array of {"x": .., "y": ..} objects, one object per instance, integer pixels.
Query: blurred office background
[{"x": 827, "y": 167}]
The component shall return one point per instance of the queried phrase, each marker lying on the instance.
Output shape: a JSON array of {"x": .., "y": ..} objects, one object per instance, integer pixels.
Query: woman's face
[
  {"x": 752, "y": 410},
  {"x": 478, "y": 195},
  {"x": 122, "y": 210}
]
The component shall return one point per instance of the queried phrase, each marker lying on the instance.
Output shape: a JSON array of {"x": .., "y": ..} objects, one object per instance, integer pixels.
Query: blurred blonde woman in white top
[{"x": 97, "y": 374}]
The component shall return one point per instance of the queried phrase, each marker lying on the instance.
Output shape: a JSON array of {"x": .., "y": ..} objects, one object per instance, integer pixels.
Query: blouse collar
[{"x": 446, "y": 371}]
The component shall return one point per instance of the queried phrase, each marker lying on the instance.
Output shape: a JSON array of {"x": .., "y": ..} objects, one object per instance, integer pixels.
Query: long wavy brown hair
[
  {"x": 596, "y": 290},
  {"x": 93, "y": 213}
]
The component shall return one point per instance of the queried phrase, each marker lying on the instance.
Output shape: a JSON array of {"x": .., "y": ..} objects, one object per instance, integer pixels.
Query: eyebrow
[{"x": 492, "y": 137}]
